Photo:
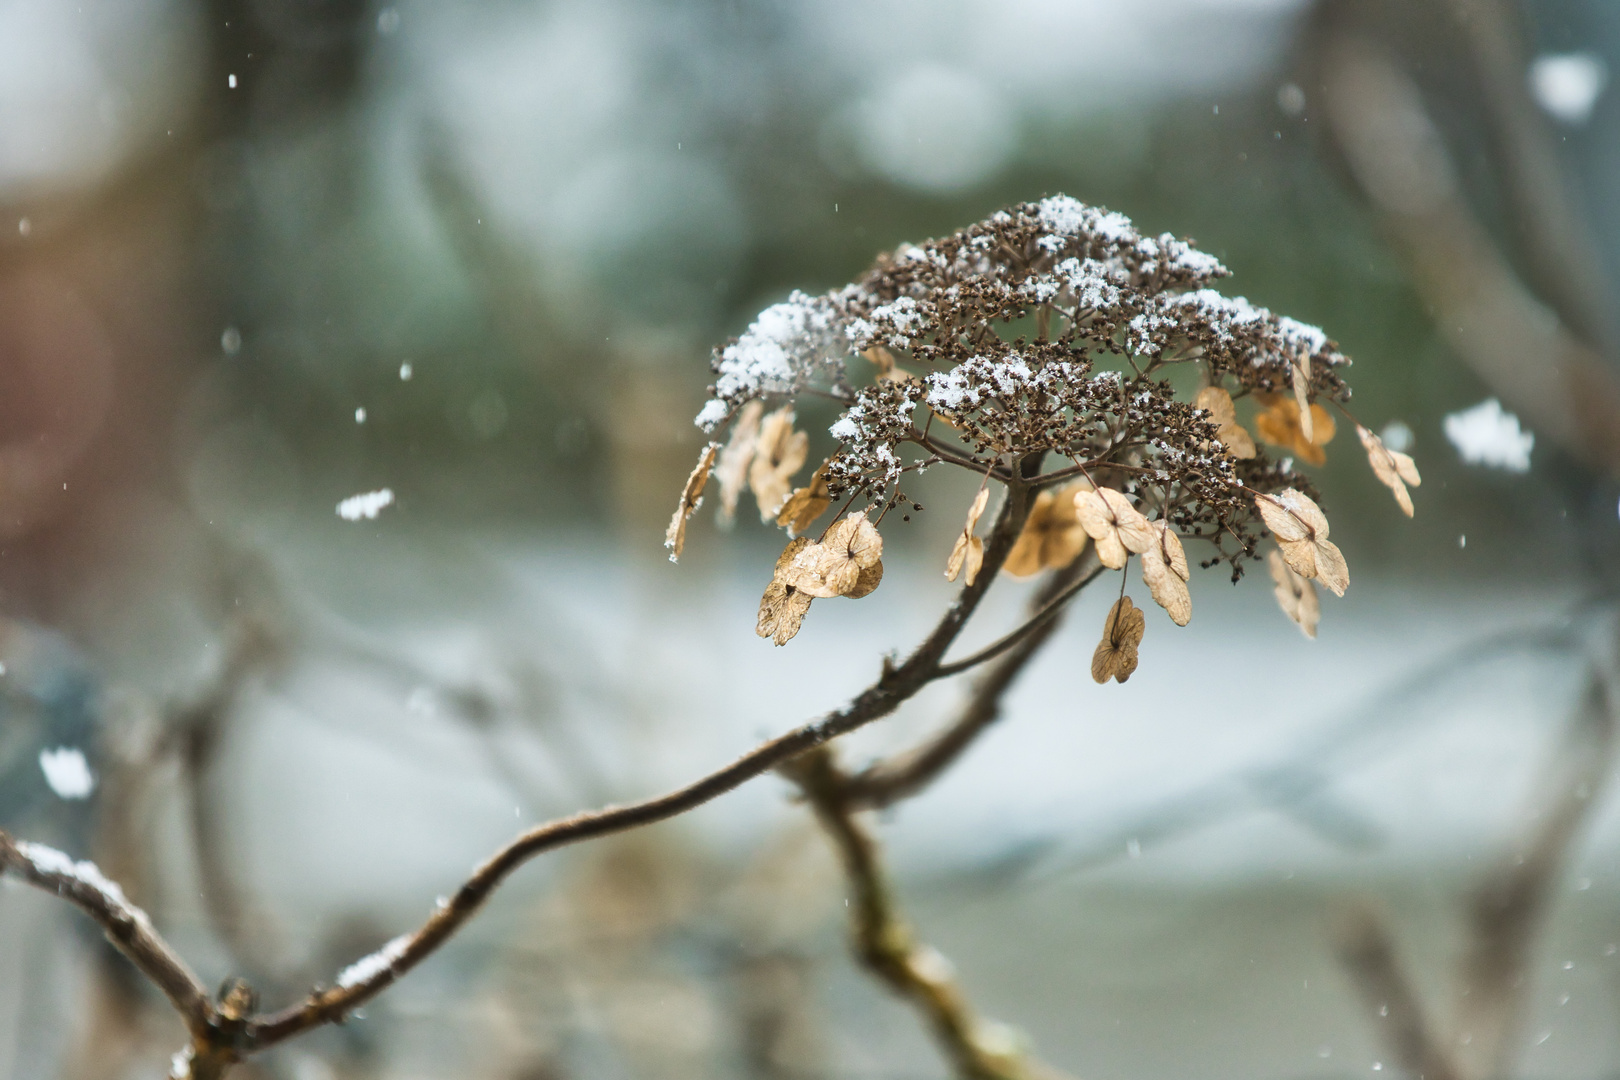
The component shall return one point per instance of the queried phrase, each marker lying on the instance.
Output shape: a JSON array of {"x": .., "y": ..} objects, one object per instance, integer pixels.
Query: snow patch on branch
[
  {"x": 50, "y": 863},
  {"x": 367, "y": 968}
]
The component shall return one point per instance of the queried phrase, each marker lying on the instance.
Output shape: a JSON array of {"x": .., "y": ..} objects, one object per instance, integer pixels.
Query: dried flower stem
[
  {"x": 220, "y": 1039},
  {"x": 885, "y": 945},
  {"x": 887, "y": 782}
]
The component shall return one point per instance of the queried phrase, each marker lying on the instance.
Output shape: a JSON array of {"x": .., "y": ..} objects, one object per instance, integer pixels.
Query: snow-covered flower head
[{"x": 1033, "y": 349}]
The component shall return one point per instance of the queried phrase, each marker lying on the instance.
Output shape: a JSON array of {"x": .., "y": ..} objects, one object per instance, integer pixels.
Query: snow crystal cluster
[{"x": 1489, "y": 435}]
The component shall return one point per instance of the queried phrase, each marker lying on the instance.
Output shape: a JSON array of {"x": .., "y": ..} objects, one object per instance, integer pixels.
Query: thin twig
[
  {"x": 886, "y": 782},
  {"x": 1041, "y": 620},
  {"x": 1509, "y": 908},
  {"x": 884, "y": 943},
  {"x": 1368, "y": 954},
  {"x": 127, "y": 926}
]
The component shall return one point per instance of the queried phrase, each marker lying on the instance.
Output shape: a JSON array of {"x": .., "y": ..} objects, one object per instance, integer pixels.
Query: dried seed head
[
  {"x": 732, "y": 469},
  {"x": 1231, "y": 434},
  {"x": 1295, "y": 595},
  {"x": 1114, "y": 311},
  {"x": 1118, "y": 527},
  {"x": 783, "y": 607},
  {"x": 691, "y": 496},
  {"x": 1165, "y": 572},
  {"x": 1392, "y": 467},
  {"x": 968, "y": 554},
  {"x": 779, "y": 453},
  {"x": 1052, "y": 538},
  {"x": 1115, "y": 657}
]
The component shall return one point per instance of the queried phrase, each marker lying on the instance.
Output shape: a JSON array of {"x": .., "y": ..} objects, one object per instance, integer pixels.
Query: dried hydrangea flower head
[{"x": 1032, "y": 350}]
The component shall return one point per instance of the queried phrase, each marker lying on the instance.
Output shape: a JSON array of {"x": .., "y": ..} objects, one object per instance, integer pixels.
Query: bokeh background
[{"x": 257, "y": 256}]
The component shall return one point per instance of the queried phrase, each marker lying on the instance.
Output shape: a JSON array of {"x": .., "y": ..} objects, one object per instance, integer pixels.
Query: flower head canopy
[{"x": 1032, "y": 350}]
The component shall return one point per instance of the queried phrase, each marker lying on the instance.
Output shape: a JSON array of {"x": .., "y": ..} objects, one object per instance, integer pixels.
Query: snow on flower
[
  {"x": 365, "y": 505},
  {"x": 1489, "y": 435},
  {"x": 67, "y": 772}
]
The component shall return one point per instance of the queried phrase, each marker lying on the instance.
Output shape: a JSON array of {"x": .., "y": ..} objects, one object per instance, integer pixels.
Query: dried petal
[
  {"x": 1295, "y": 595},
  {"x": 1052, "y": 537},
  {"x": 732, "y": 469},
  {"x": 968, "y": 553},
  {"x": 1392, "y": 467},
  {"x": 1117, "y": 526},
  {"x": 1280, "y": 425},
  {"x": 1232, "y": 435},
  {"x": 691, "y": 496},
  {"x": 833, "y": 567},
  {"x": 779, "y": 453},
  {"x": 783, "y": 607},
  {"x": 1291, "y": 515},
  {"x": 1302, "y": 534},
  {"x": 1302, "y": 388},
  {"x": 869, "y": 578},
  {"x": 1116, "y": 657},
  {"x": 969, "y": 549},
  {"x": 806, "y": 503},
  {"x": 1165, "y": 572},
  {"x": 1331, "y": 569}
]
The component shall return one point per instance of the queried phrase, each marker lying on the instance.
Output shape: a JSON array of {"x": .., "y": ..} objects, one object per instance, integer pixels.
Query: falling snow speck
[
  {"x": 24, "y": 226},
  {"x": 67, "y": 772},
  {"x": 365, "y": 505},
  {"x": 405, "y": 373},
  {"x": 231, "y": 341},
  {"x": 360, "y": 415},
  {"x": 1462, "y": 540},
  {"x": 231, "y": 82}
]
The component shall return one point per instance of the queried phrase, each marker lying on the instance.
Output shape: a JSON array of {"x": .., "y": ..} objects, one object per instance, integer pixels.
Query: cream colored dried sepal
[
  {"x": 968, "y": 554},
  {"x": 731, "y": 472},
  {"x": 1118, "y": 527},
  {"x": 1280, "y": 425},
  {"x": 1302, "y": 386},
  {"x": 691, "y": 496},
  {"x": 1232, "y": 435},
  {"x": 1302, "y": 534},
  {"x": 1115, "y": 657},
  {"x": 1394, "y": 468},
  {"x": 782, "y": 608},
  {"x": 806, "y": 503},
  {"x": 888, "y": 370},
  {"x": 779, "y": 453},
  {"x": 1164, "y": 571},
  {"x": 1295, "y": 595},
  {"x": 833, "y": 567},
  {"x": 1052, "y": 537}
]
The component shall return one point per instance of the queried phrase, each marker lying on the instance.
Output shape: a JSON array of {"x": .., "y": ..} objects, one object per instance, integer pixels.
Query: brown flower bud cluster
[{"x": 1032, "y": 349}]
